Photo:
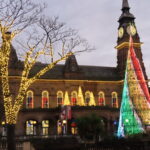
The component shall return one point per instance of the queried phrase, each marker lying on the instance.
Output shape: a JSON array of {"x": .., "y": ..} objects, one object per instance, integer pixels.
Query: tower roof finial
[
  {"x": 126, "y": 15},
  {"x": 125, "y": 4}
]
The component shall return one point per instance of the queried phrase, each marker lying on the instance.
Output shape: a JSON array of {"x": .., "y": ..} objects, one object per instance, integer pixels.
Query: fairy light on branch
[
  {"x": 5, "y": 53},
  {"x": 26, "y": 82}
]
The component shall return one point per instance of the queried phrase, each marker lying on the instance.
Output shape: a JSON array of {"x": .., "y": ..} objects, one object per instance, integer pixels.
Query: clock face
[
  {"x": 120, "y": 32},
  {"x": 131, "y": 30}
]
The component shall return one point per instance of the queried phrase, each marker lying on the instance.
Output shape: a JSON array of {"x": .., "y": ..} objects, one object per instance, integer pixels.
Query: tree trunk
[{"x": 11, "y": 141}]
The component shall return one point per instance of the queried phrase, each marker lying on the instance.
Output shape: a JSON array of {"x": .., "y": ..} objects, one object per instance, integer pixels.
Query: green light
[{"x": 127, "y": 120}]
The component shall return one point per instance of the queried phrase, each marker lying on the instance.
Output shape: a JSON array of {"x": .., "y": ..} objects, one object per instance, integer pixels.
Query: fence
[
  {"x": 118, "y": 146},
  {"x": 3, "y": 145}
]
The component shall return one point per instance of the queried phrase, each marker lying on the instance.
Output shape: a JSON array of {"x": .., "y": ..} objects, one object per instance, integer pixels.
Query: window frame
[
  {"x": 31, "y": 130},
  {"x": 47, "y": 94},
  {"x": 103, "y": 96},
  {"x": 62, "y": 97},
  {"x": 87, "y": 103},
  {"x": 114, "y": 95},
  {"x": 72, "y": 97},
  {"x": 32, "y": 101}
]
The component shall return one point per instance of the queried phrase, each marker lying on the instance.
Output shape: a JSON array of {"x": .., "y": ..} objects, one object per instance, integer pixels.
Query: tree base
[{"x": 11, "y": 141}]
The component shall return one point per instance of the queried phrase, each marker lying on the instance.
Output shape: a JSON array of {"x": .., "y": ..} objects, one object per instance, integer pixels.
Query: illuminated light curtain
[
  {"x": 74, "y": 98},
  {"x": 114, "y": 100},
  {"x": 66, "y": 99},
  {"x": 92, "y": 100},
  {"x": 87, "y": 98},
  {"x": 80, "y": 100},
  {"x": 101, "y": 99},
  {"x": 31, "y": 127},
  {"x": 45, "y": 127},
  {"x": 129, "y": 122},
  {"x": 59, "y": 98},
  {"x": 45, "y": 99},
  {"x": 135, "y": 100},
  {"x": 137, "y": 95},
  {"x": 29, "y": 100},
  {"x": 139, "y": 71}
]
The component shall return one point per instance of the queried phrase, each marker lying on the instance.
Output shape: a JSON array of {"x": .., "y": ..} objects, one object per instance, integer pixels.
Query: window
[
  {"x": 74, "y": 98},
  {"x": 45, "y": 99},
  {"x": 59, "y": 98},
  {"x": 45, "y": 127},
  {"x": 114, "y": 100},
  {"x": 59, "y": 127},
  {"x": 101, "y": 99},
  {"x": 62, "y": 127},
  {"x": 29, "y": 99},
  {"x": 87, "y": 98},
  {"x": 73, "y": 128},
  {"x": 31, "y": 127},
  {"x": 4, "y": 129}
]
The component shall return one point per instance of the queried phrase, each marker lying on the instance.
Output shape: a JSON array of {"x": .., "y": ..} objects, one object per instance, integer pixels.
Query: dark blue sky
[{"x": 96, "y": 20}]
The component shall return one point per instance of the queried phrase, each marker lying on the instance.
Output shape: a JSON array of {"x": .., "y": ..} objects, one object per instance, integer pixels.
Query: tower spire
[
  {"x": 125, "y": 4},
  {"x": 126, "y": 15},
  {"x": 126, "y": 21}
]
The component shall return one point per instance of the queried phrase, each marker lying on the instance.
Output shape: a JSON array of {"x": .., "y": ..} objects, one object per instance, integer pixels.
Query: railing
[
  {"x": 3, "y": 145},
  {"x": 118, "y": 146}
]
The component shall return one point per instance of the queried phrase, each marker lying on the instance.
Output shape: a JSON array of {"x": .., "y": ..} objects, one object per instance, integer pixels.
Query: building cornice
[
  {"x": 65, "y": 80},
  {"x": 126, "y": 45}
]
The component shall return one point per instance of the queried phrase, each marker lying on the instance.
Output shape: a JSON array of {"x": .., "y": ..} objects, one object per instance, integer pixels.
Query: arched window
[
  {"x": 31, "y": 127},
  {"x": 114, "y": 99},
  {"x": 59, "y": 98},
  {"x": 45, "y": 99},
  {"x": 101, "y": 98},
  {"x": 87, "y": 98},
  {"x": 29, "y": 100},
  {"x": 74, "y": 98},
  {"x": 45, "y": 127}
]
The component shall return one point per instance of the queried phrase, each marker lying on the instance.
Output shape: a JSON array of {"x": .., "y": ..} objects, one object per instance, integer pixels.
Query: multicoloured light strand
[{"x": 135, "y": 106}]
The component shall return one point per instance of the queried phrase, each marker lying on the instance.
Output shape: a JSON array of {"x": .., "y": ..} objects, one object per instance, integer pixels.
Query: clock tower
[{"x": 126, "y": 28}]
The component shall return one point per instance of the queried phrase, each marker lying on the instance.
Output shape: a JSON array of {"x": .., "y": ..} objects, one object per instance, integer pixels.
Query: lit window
[
  {"x": 4, "y": 129},
  {"x": 101, "y": 99},
  {"x": 31, "y": 127},
  {"x": 29, "y": 99},
  {"x": 62, "y": 127},
  {"x": 45, "y": 127},
  {"x": 59, "y": 127},
  {"x": 114, "y": 100},
  {"x": 74, "y": 98},
  {"x": 45, "y": 99},
  {"x": 74, "y": 128},
  {"x": 87, "y": 98},
  {"x": 59, "y": 98}
]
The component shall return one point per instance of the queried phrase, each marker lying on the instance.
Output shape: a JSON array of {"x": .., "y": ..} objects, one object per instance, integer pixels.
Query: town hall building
[{"x": 79, "y": 90}]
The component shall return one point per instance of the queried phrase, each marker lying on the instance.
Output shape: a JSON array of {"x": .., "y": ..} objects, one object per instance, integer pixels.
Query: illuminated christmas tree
[
  {"x": 135, "y": 106},
  {"x": 66, "y": 99},
  {"x": 80, "y": 100},
  {"x": 92, "y": 100}
]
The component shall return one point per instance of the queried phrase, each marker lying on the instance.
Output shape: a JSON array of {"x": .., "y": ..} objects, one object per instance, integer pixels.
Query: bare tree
[
  {"x": 43, "y": 39},
  {"x": 15, "y": 16}
]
